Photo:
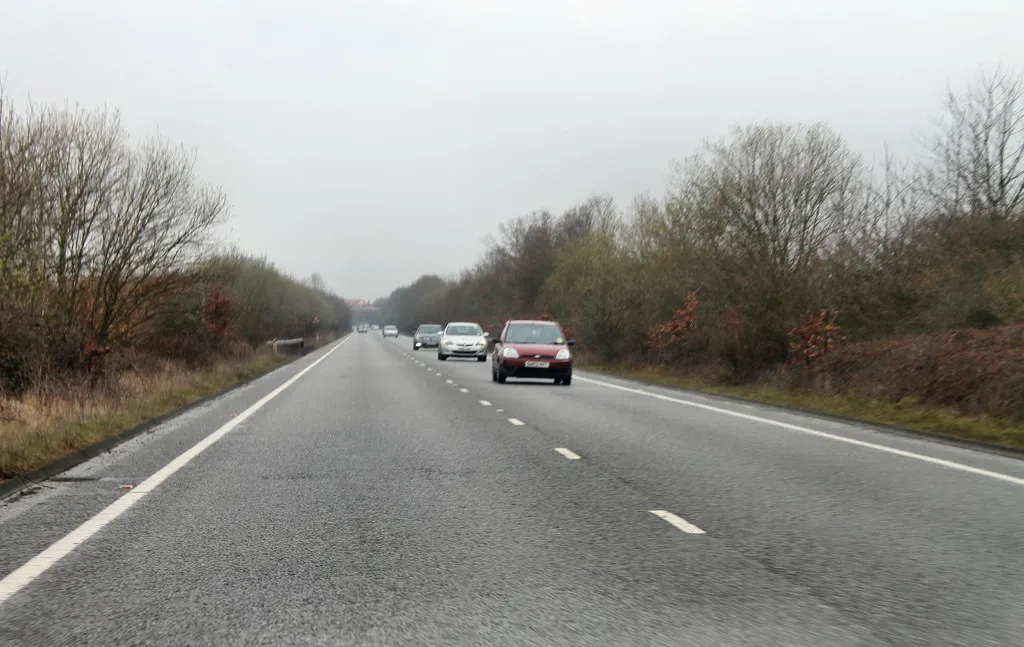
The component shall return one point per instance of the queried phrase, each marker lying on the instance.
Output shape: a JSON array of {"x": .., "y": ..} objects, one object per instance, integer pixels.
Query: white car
[
  {"x": 390, "y": 331},
  {"x": 463, "y": 339}
]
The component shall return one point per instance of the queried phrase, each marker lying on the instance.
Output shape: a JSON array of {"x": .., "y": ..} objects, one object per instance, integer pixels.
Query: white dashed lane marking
[{"x": 678, "y": 522}]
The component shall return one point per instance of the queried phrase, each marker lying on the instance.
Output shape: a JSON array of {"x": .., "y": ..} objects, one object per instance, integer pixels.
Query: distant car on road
[
  {"x": 390, "y": 331},
  {"x": 463, "y": 339},
  {"x": 364, "y": 327},
  {"x": 427, "y": 336},
  {"x": 536, "y": 349}
]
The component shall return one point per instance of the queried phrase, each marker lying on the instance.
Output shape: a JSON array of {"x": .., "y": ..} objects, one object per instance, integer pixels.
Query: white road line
[
  {"x": 568, "y": 453},
  {"x": 678, "y": 522},
  {"x": 463, "y": 389},
  {"x": 485, "y": 403},
  {"x": 813, "y": 432},
  {"x": 500, "y": 410},
  {"x": 447, "y": 381},
  {"x": 62, "y": 547},
  {"x": 517, "y": 422}
]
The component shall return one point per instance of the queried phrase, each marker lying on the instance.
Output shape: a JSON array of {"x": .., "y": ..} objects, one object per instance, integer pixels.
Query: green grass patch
[
  {"x": 906, "y": 414},
  {"x": 53, "y": 422}
]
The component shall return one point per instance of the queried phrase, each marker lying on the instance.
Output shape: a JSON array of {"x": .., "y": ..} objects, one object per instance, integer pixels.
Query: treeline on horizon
[
  {"x": 779, "y": 253},
  {"x": 108, "y": 246}
]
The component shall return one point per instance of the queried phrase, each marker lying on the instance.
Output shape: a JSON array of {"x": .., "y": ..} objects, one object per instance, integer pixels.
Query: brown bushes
[{"x": 979, "y": 372}]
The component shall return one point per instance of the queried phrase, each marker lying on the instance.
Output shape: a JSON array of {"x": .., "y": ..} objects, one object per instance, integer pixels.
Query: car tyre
[
  {"x": 501, "y": 377},
  {"x": 441, "y": 357},
  {"x": 481, "y": 358},
  {"x": 566, "y": 381},
  {"x": 494, "y": 375}
]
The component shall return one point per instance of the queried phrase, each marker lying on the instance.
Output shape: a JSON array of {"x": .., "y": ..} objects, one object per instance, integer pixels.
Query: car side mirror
[
  {"x": 487, "y": 334},
  {"x": 571, "y": 342}
]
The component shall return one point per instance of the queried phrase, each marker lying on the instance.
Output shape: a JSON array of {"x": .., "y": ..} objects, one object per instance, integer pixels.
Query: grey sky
[{"x": 375, "y": 140}]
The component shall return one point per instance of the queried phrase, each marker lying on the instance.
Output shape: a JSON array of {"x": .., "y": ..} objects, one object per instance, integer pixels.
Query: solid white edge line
[
  {"x": 463, "y": 389},
  {"x": 678, "y": 522},
  {"x": 517, "y": 422},
  {"x": 813, "y": 432},
  {"x": 485, "y": 403},
  {"x": 36, "y": 566},
  {"x": 568, "y": 453},
  {"x": 448, "y": 382}
]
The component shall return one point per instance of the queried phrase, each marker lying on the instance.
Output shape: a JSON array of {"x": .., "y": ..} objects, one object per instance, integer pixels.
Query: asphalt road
[{"x": 384, "y": 497}]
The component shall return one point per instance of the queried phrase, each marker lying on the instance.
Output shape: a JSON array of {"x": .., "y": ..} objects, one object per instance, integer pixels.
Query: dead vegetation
[
  {"x": 780, "y": 257},
  {"x": 117, "y": 299}
]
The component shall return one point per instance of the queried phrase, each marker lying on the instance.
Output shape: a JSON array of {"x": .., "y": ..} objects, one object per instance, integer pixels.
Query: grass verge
[
  {"x": 905, "y": 414},
  {"x": 52, "y": 422}
]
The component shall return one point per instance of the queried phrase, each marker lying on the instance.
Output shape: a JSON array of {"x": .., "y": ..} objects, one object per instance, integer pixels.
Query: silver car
[
  {"x": 427, "y": 336},
  {"x": 463, "y": 339}
]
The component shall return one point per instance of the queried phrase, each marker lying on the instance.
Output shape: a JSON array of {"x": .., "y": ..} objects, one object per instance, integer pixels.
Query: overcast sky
[{"x": 375, "y": 140}]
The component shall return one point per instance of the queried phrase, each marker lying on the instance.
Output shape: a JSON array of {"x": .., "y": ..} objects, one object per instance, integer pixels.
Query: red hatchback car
[{"x": 535, "y": 349}]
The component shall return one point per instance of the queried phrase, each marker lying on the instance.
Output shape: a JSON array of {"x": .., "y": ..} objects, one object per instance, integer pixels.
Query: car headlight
[
  {"x": 481, "y": 343},
  {"x": 562, "y": 354},
  {"x": 446, "y": 342},
  {"x": 509, "y": 352}
]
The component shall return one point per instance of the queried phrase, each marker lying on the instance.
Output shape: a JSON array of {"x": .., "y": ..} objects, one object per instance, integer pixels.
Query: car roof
[
  {"x": 463, "y": 323},
  {"x": 534, "y": 322}
]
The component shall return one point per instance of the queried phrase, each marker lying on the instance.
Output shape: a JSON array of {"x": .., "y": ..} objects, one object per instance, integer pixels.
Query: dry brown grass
[{"x": 54, "y": 420}]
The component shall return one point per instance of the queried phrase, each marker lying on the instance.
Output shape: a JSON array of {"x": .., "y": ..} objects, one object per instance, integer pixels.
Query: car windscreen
[
  {"x": 428, "y": 330},
  {"x": 534, "y": 334},
  {"x": 469, "y": 330}
]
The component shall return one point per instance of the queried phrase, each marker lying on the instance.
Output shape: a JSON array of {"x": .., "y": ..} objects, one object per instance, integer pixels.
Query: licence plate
[{"x": 537, "y": 364}]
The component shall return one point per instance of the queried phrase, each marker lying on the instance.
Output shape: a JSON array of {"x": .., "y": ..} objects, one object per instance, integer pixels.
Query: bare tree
[
  {"x": 84, "y": 159},
  {"x": 778, "y": 193},
  {"x": 22, "y": 235},
  {"x": 317, "y": 283},
  {"x": 978, "y": 155},
  {"x": 153, "y": 239}
]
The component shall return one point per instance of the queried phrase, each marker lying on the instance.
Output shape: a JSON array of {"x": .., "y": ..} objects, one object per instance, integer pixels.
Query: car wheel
[
  {"x": 558, "y": 380},
  {"x": 501, "y": 377},
  {"x": 566, "y": 381},
  {"x": 441, "y": 357},
  {"x": 494, "y": 375},
  {"x": 481, "y": 358}
]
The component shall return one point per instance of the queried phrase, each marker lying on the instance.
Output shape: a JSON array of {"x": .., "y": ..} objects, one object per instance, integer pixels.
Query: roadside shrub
[
  {"x": 32, "y": 348},
  {"x": 815, "y": 338},
  {"x": 678, "y": 339},
  {"x": 973, "y": 371}
]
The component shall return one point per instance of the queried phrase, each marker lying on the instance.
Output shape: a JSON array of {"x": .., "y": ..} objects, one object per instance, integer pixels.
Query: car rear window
[
  {"x": 429, "y": 329},
  {"x": 534, "y": 334}
]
